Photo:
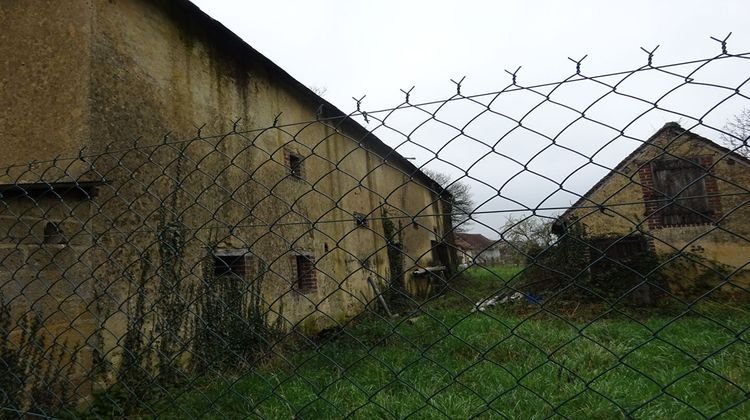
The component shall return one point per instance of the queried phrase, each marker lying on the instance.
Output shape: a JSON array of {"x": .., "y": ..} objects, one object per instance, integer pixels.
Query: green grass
[
  {"x": 477, "y": 285},
  {"x": 514, "y": 361}
]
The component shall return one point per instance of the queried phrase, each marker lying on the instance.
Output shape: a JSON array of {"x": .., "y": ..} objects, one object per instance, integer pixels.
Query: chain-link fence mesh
[{"x": 307, "y": 269}]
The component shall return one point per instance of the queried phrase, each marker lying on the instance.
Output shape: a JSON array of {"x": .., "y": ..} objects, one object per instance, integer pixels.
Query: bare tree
[
  {"x": 738, "y": 133},
  {"x": 528, "y": 234},
  {"x": 462, "y": 203},
  {"x": 319, "y": 90}
]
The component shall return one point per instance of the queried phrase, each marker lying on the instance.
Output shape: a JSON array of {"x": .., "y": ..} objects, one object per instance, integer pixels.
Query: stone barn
[
  {"x": 167, "y": 191},
  {"x": 672, "y": 218}
]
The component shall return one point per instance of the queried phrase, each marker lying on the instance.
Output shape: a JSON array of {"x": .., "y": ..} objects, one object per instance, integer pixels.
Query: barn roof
[
  {"x": 472, "y": 241},
  {"x": 671, "y": 128}
]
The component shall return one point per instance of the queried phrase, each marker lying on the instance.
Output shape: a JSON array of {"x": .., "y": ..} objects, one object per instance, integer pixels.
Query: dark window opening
[
  {"x": 621, "y": 266},
  {"x": 229, "y": 265},
  {"x": 439, "y": 253},
  {"x": 360, "y": 219},
  {"x": 681, "y": 190},
  {"x": 624, "y": 250},
  {"x": 53, "y": 234},
  {"x": 295, "y": 162},
  {"x": 306, "y": 281}
]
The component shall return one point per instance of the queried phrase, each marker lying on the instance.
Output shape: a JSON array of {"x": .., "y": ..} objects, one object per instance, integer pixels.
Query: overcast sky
[{"x": 354, "y": 48}]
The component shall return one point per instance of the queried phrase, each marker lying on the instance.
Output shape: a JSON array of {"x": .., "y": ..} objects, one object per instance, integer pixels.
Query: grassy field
[{"x": 512, "y": 360}]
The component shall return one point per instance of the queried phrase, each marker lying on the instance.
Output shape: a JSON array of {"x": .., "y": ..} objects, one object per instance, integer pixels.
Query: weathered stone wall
[
  {"x": 164, "y": 207},
  {"x": 44, "y": 81},
  {"x": 172, "y": 71},
  {"x": 48, "y": 292}
]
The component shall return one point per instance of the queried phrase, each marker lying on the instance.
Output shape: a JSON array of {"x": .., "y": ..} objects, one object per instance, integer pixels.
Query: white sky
[{"x": 354, "y": 48}]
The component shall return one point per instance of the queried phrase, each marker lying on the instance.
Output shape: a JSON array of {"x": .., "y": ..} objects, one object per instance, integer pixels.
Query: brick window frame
[
  {"x": 231, "y": 261},
  {"x": 304, "y": 273},
  {"x": 654, "y": 199}
]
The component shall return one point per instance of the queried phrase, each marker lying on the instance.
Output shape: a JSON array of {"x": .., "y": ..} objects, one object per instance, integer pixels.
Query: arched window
[{"x": 53, "y": 234}]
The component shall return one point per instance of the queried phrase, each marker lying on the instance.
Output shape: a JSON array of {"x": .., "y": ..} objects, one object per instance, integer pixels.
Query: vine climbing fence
[{"x": 577, "y": 248}]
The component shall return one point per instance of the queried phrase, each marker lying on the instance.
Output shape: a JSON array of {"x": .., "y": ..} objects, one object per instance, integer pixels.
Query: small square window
[
  {"x": 53, "y": 234},
  {"x": 229, "y": 265},
  {"x": 295, "y": 163}
]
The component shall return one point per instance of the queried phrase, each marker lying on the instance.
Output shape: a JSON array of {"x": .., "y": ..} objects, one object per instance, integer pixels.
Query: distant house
[
  {"x": 672, "y": 217},
  {"x": 475, "y": 248}
]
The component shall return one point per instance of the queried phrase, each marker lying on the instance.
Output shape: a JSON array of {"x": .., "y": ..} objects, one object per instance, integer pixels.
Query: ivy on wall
[{"x": 35, "y": 371}]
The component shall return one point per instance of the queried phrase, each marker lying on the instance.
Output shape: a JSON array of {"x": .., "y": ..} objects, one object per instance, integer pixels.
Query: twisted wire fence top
[{"x": 576, "y": 249}]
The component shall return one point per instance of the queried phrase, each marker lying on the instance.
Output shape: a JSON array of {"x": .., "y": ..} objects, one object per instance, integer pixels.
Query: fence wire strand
[{"x": 509, "y": 266}]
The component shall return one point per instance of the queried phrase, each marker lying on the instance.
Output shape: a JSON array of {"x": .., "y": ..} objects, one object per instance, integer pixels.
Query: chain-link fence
[{"x": 418, "y": 261}]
